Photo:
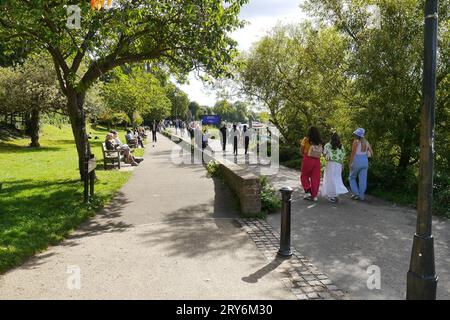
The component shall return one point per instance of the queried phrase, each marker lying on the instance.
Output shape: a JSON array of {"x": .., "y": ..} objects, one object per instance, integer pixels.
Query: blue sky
[{"x": 262, "y": 15}]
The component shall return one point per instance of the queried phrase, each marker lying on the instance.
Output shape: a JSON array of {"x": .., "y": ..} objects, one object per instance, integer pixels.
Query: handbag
[{"x": 315, "y": 151}]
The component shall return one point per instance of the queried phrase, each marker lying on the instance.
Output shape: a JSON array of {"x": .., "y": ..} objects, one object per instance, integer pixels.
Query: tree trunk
[
  {"x": 34, "y": 127},
  {"x": 77, "y": 117},
  {"x": 131, "y": 116}
]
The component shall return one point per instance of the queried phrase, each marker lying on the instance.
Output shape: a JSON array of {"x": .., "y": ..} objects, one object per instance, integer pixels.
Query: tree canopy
[
  {"x": 137, "y": 94},
  {"x": 180, "y": 34},
  {"x": 31, "y": 89}
]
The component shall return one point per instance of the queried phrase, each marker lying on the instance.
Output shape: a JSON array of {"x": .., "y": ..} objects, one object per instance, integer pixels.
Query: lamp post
[{"x": 421, "y": 279}]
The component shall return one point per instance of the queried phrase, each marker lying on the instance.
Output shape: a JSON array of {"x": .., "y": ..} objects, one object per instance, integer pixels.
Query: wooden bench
[
  {"x": 132, "y": 143},
  {"x": 111, "y": 157}
]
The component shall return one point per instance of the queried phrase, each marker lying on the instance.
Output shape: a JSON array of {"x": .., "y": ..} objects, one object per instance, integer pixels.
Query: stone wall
[{"x": 245, "y": 185}]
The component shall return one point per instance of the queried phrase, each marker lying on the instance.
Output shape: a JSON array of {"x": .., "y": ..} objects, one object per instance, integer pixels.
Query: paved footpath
[
  {"x": 343, "y": 240},
  {"x": 170, "y": 233}
]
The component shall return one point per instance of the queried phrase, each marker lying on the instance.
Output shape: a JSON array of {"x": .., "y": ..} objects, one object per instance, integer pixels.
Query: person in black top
[
  {"x": 224, "y": 132},
  {"x": 154, "y": 129},
  {"x": 246, "y": 139},
  {"x": 109, "y": 142},
  {"x": 236, "y": 134}
]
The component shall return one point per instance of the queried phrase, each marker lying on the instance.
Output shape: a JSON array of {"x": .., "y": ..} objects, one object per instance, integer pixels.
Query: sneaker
[
  {"x": 307, "y": 197},
  {"x": 332, "y": 200},
  {"x": 354, "y": 197},
  {"x": 310, "y": 198}
]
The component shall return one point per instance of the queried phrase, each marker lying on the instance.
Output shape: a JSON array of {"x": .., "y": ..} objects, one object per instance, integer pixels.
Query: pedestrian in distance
[
  {"x": 154, "y": 130},
  {"x": 311, "y": 148},
  {"x": 246, "y": 135},
  {"x": 224, "y": 133},
  {"x": 334, "y": 154},
  {"x": 359, "y": 164},
  {"x": 236, "y": 135}
]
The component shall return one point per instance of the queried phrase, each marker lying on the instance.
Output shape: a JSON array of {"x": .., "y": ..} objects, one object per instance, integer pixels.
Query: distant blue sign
[{"x": 211, "y": 120}]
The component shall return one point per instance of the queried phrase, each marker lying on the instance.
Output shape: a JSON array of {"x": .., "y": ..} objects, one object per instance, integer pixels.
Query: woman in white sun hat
[{"x": 359, "y": 164}]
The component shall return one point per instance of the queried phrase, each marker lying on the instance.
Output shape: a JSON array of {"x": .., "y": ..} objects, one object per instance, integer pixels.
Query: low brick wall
[{"x": 243, "y": 183}]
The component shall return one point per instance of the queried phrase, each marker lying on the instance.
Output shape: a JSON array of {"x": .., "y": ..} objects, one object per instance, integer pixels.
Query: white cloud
[
  {"x": 197, "y": 91},
  {"x": 262, "y": 16}
]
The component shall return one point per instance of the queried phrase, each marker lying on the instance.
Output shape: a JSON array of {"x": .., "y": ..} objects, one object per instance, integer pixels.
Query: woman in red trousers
[{"x": 312, "y": 149}]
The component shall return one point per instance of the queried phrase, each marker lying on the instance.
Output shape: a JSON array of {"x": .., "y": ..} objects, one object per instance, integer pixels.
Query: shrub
[
  {"x": 289, "y": 153},
  {"x": 270, "y": 201},
  {"x": 213, "y": 168},
  {"x": 293, "y": 164},
  {"x": 441, "y": 200}
]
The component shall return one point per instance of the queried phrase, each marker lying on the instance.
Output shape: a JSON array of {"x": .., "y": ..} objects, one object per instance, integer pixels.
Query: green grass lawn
[{"x": 41, "y": 199}]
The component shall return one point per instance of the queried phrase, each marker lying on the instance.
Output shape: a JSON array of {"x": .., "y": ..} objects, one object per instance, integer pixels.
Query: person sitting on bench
[
  {"x": 129, "y": 136},
  {"x": 138, "y": 138},
  {"x": 113, "y": 143}
]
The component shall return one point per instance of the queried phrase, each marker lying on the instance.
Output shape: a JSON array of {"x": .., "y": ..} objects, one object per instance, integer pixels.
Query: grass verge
[{"x": 41, "y": 200}]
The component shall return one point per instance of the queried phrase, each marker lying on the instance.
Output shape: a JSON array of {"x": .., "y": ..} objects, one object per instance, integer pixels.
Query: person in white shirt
[
  {"x": 129, "y": 136},
  {"x": 117, "y": 140},
  {"x": 198, "y": 136},
  {"x": 236, "y": 136}
]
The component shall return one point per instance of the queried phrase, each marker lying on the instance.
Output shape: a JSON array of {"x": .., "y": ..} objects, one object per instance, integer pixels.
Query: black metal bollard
[{"x": 285, "y": 238}]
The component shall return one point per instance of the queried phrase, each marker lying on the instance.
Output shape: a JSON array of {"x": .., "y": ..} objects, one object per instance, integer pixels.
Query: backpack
[{"x": 315, "y": 151}]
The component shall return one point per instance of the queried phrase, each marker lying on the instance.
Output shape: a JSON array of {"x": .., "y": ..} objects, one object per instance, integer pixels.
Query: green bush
[
  {"x": 384, "y": 175},
  {"x": 293, "y": 164},
  {"x": 270, "y": 201},
  {"x": 213, "y": 168},
  {"x": 441, "y": 189},
  {"x": 290, "y": 156},
  {"x": 289, "y": 153}
]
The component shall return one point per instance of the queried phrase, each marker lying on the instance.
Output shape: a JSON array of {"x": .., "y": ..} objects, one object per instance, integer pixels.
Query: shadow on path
[{"x": 254, "y": 277}]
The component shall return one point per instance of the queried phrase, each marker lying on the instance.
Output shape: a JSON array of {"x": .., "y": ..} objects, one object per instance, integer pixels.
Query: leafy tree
[
  {"x": 296, "y": 73},
  {"x": 31, "y": 89},
  {"x": 95, "y": 105},
  {"x": 386, "y": 71},
  {"x": 136, "y": 93},
  {"x": 183, "y": 35},
  {"x": 14, "y": 55},
  {"x": 224, "y": 109},
  {"x": 232, "y": 112},
  {"x": 179, "y": 100},
  {"x": 194, "y": 108},
  {"x": 263, "y": 117}
]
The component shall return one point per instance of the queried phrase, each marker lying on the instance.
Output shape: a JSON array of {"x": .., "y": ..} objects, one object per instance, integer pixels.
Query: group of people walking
[
  {"x": 313, "y": 148},
  {"x": 236, "y": 135}
]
